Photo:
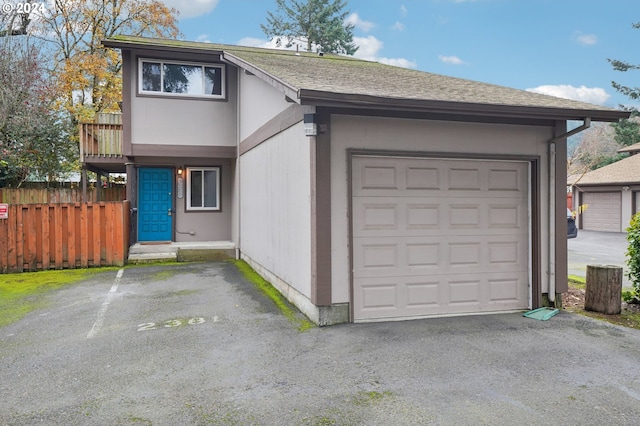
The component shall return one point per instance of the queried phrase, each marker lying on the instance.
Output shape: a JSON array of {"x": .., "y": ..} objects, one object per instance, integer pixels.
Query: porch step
[{"x": 182, "y": 252}]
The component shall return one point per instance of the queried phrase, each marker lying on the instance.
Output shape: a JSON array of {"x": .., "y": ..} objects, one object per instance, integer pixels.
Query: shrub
[{"x": 633, "y": 253}]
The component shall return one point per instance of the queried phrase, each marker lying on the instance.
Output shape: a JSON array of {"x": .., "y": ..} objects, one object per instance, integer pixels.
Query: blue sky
[{"x": 557, "y": 47}]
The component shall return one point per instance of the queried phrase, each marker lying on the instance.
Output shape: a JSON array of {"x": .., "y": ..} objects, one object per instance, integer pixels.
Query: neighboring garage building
[
  {"x": 364, "y": 191},
  {"x": 608, "y": 197}
]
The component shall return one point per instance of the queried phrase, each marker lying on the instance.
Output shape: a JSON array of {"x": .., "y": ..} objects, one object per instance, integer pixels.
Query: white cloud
[
  {"x": 592, "y": 95},
  {"x": 398, "y": 62},
  {"x": 258, "y": 42},
  {"x": 453, "y": 60},
  {"x": 204, "y": 38},
  {"x": 192, "y": 8},
  {"x": 360, "y": 24},
  {"x": 586, "y": 39},
  {"x": 398, "y": 26},
  {"x": 403, "y": 10},
  {"x": 369, "y": 49}
]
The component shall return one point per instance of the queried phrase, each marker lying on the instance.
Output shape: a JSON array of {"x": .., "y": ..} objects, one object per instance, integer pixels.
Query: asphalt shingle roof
[
  {"x": 631, "y": 148},
  {"x": 346, "y": 76},
  {"x": 625, "y": 171}
]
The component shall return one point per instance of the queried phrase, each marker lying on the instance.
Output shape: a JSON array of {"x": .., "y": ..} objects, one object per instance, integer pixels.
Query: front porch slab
[{"x": 181, "y": 252}]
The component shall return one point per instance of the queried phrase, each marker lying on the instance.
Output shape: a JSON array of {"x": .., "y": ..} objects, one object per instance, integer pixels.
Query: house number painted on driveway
[{"x": 172, "y": 323}]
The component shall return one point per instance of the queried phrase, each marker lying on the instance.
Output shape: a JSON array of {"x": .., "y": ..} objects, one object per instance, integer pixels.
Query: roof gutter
[
  {"x": 552, "y": 204},
  {"x": 323, "y": 98}
]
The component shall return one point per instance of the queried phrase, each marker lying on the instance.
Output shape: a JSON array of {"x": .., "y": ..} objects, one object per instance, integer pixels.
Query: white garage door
[
  {"x": 601, "y": 211},
  {"x": 438, "y": 237}
]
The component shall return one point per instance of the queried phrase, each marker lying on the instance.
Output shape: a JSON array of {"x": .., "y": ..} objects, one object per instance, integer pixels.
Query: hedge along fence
[
  {"x": 58, "y": 236},
  {"x": 60, "y": 195}
]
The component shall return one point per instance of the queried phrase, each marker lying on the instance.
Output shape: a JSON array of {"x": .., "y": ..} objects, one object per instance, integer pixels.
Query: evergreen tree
[
  {"x": 318, "y": 24},
  {"x": 632, "y": 92}
]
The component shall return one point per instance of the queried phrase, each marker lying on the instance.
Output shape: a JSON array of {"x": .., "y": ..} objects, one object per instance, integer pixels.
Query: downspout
[
  {"x": 552, "y": 205},
  {"x": 238, "y": 174}
]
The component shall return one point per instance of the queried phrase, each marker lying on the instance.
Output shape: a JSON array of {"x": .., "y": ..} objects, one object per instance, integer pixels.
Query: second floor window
[{"x": 182, "y": 79}]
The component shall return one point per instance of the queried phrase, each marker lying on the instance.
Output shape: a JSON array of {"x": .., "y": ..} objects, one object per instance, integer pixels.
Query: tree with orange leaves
[{"x": 88, "y": 74}]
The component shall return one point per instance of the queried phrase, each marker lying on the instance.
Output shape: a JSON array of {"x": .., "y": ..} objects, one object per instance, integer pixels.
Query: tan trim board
[
  {"x": 287, "y": 118},
  {"x": 127, "y": 69},
  {"x": 451, "y": 155},
  {"x": 434, "y": 116},
  {"x": 536, "y": 236},
  {"x": 183, "y": 151},
  {"x": 321, "y": 216}
]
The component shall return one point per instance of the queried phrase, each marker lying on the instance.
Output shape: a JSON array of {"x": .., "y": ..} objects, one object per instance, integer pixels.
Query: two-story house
[{"x": 362, "y": 191}]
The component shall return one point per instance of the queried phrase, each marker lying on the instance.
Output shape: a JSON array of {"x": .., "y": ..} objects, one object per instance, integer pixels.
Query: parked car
[{"x": 572, "y": 229}]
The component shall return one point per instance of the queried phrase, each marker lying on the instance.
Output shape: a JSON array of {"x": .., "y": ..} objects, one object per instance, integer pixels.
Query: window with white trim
[
  {"x": 168, "y": 78},
  {"x": 203, "y": 188}
]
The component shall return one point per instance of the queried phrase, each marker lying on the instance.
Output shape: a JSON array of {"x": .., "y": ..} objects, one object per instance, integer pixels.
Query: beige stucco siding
[
  {"x": 208, "y": 225},
  {"x": 421, "y": 136},
  {"x": 275, "y": 210},
  {"x": 259, "y": 102},
  {"x": 181, "y": 121}
]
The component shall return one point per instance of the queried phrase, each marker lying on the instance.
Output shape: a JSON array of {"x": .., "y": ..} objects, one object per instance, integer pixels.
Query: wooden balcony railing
[{"x": 100, "y": 140}]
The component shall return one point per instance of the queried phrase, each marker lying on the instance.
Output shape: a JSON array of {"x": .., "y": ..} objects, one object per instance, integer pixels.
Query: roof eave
[
  {"x": 322, "y": 98},
  {"x": 607, "y": 183},
  {"x": 128, "y": 44}
]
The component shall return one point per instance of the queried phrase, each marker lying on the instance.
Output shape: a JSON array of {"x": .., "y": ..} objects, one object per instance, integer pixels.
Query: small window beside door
[{"x": 203, "y": 188}]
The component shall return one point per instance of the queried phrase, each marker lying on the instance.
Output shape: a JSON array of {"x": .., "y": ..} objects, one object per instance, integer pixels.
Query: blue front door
[{"x": 155, "y": 204}]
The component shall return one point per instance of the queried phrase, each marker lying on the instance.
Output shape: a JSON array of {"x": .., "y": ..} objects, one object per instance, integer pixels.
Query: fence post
[{"x": 4, "y": 242}]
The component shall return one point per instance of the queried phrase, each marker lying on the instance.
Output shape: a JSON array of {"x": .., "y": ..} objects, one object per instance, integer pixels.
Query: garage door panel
[
  {"x": 421, "y": 177},
  {"x": 415, "y": 256},
  {"x": 377, "y": 177},
  {"x": 384, "y": 298},
  {"x": 602, "y": 211},
  {"x": 504, "y": 291},
  {"x": 380, "y": 216},
  {"x": 437, "y": 295},
  {"x": 464, "y": 178},
  {"x": 423, "y": 295},
  {"x": 464, "y": 293},
  {"x": 437, "y": 236}
]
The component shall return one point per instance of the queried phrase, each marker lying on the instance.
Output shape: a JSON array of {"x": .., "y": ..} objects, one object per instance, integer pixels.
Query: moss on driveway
[{"x": 25, "y": 292}]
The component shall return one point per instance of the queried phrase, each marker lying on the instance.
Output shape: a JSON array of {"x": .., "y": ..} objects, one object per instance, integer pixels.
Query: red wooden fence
[{"x": 58, "y": 236}]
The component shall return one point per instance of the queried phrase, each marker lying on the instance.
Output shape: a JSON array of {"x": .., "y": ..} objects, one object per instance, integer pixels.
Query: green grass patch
[
  {"x": 273, "y": 294},
  {"x": 24, "y": 292},
  {"x": 626, "y": 318},
  {"x": 577, "y": 282}
]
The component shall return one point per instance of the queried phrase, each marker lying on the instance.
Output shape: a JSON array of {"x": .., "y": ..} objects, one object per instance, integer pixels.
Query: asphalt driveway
[
  {"x": 593, "y": 248},
  {"x": 197, "y": 344}
]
